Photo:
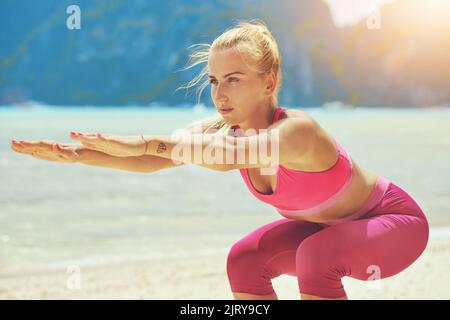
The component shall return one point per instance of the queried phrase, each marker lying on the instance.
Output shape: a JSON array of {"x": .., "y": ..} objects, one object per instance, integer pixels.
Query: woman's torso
[{"x": 321, "y": 158}]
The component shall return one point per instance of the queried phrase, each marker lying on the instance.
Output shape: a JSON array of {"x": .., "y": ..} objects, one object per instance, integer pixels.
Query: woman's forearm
[
  {"x": 218, "y": 152},
  {"x": 199, "y": 151},
  {"x": 145, "y": 163}
]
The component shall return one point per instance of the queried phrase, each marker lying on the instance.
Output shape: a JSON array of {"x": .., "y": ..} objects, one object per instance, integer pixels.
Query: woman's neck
[{"x": 261, "y": 119}]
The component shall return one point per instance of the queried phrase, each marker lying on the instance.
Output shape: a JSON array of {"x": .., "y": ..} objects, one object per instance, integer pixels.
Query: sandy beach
[{"x": 204, "y": 278}]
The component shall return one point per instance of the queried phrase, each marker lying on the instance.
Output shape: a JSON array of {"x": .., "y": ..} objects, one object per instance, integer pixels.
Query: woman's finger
[
  {"x": 31, "y": 143},
  {"x": 17, "y": 146},
  {"x": 66, "y": 152},
  {"x": 65, "y": 146},
  {"x": 77, "y": 135},
  {"x": 29, "y": 147},
  {"x": 89, "y": 134},
  {"x": 91, "y": 141},
  {"x": 16, "y": 143},
  {"x": 26, "y": 143},
  {"x": 83, "y": 138},
  {"x": 21, "y": 147},
  {"x": 101, "y": 136},
  {"x": 90, "y": 145},
  {"x": 82, "y": 135},
  {"x": 60, "y": 151},
  {"x": 74, "y": 135}
]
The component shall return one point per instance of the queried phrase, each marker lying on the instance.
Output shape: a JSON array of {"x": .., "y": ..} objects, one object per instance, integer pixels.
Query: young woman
[{"x": 338, "y": 218}]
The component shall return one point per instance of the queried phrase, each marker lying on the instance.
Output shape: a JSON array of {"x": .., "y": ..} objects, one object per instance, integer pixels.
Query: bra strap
[{"x": 276, "y": 114}]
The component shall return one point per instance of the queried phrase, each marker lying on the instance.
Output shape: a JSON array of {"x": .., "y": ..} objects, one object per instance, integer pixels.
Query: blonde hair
[{"x": 253, "y": 40}]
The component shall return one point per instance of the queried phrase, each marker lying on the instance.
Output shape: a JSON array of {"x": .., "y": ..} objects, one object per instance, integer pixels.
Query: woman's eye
[{"x": 212, "y": 81}]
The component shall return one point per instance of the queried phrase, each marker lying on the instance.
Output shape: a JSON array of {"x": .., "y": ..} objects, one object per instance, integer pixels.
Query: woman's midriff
[{"x": 361, "y": 186}]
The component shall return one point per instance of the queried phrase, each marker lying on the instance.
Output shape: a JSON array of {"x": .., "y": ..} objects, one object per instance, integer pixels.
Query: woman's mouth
[{"x": 225, "y": 110}]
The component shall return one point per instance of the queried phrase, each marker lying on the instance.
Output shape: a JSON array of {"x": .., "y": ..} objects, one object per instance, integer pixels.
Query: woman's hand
[
  {"x": 118, "y": 146},
  {"x": 48, "y": 150}
]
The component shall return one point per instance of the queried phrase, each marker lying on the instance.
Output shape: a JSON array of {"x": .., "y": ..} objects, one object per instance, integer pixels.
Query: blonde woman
[{"x": 338, "y": 218}]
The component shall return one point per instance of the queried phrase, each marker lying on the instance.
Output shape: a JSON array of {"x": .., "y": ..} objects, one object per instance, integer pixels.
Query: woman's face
[{"x": 236, "y": 86}]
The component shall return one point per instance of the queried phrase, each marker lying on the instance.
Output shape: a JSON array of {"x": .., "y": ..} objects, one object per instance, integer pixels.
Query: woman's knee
[
  {"x": 319, "y": 270},
  {"x": 246, "y": 271},
  {"x": 240, "y": 257}
]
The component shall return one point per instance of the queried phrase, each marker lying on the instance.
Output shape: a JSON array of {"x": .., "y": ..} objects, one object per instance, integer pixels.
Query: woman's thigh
[
  {"x": 381, "y": 243},
  {"x": 376, "y": 247},
  {"x": 271, "y": 246}
]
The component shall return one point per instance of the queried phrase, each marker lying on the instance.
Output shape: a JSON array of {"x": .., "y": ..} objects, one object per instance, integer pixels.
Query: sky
[{"x": 350, "y": 12}]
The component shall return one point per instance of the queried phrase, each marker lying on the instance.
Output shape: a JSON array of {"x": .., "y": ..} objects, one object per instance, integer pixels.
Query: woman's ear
[{"x": 270, "y": 83}]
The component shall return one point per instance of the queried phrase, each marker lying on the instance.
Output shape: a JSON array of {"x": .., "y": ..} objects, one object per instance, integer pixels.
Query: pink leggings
[{"x": 389, "y": 233}]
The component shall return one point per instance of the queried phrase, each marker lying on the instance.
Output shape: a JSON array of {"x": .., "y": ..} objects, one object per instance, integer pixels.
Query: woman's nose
[{"x": 220, "y": 94}]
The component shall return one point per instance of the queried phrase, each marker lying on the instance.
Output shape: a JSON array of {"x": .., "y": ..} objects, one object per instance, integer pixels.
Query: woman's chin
[{"x": 231, "y": 123}]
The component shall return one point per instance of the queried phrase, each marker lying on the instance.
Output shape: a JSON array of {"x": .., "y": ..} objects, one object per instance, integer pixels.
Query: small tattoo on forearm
[{"x": 161, "y": 148}]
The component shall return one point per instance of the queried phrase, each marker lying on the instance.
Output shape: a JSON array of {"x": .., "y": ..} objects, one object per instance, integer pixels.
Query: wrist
[
  {"x": 155, "y": 146},
  {"x": 89, "y": 156},
  {"x": 147, "y": 139},
  {"x": 82, "y": 152}
]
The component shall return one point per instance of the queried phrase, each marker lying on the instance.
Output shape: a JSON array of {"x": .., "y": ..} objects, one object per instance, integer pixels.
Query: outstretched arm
[
  {"x": 78, "y": 153},
  {"x": 286, "y": 141},
  {"x": 71, "y": 153},
  {"x": 144, "y": 164}
]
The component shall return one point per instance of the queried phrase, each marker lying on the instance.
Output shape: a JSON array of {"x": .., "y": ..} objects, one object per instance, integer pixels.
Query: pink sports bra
[{"x": 301, "y": 193}]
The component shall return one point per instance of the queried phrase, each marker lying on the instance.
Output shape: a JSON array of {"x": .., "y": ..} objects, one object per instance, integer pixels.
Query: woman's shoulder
[
  {"x": 300, "y": 117},
  {"x": 295, "y": 113},
  {"x": 324, "y": 149},
  {"x": 303, "y": 115}
]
